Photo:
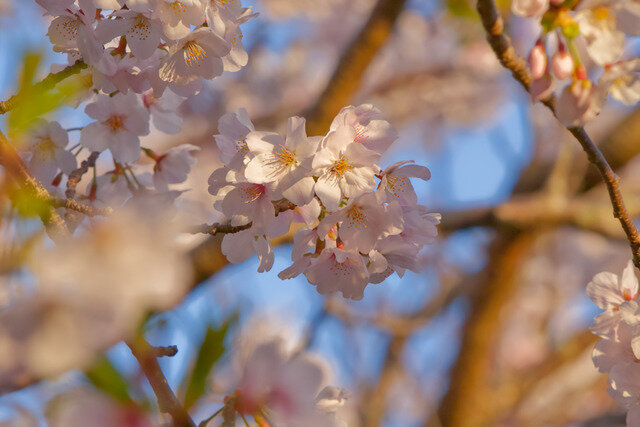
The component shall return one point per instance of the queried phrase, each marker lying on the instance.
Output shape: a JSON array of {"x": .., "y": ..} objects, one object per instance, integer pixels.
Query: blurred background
[{"x": 493, "y": 331}]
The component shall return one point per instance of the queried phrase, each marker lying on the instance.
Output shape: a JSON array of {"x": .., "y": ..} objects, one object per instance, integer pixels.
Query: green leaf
[
  {"x": 33, "y": 101},
  {"x": 104, "y": 376},
  {"x": 211, "y": 349}
]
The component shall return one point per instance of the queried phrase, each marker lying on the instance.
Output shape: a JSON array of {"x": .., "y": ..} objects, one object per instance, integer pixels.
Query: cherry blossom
[
  {"x": 345, "y": 168},
  {"x": 395, "y": 183},
  {"x": 47, "y": 143},
  {"x": 142, "y": 31},
  {"x": 121, "y": 121},
  {"x": 339, "y": 270},
  {"x": 370, "y": 129},
  {"x": 622, "y": 80},
  {"x": 284, "y": 162},
  {"x": 579, "y": 103},
  {"x": 197, "y": 55},
  {"x": 529, "y": 8},
  {"x": 173, "y": 166}
]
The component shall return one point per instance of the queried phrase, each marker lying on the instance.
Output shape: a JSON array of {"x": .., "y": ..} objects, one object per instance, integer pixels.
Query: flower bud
[
  {"x": 538, "y": 60},
  {"x": 562, "y": 65}
]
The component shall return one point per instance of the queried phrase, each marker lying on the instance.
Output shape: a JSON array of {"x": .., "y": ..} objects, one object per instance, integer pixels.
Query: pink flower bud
[
  {"x": 562, "y": 65},
  {"x": 538, "y": 61}
]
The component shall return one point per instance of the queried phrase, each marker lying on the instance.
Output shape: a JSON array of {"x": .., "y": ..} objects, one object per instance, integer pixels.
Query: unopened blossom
[
  {"x": 121, "y": 120},
  {"x": 562, "y": 65},
  {"x": 174, "y": 166},
  {"x": 197, "y": 55},
  {"x": 363, "y": 221},
  {"x": 47, "y": 145},
  {"x": 538, "y": 60},
  {"x": 163, "y": 110},
  {"x": 529, "y": 8},
  {"x": 622, "y": 80},
  {"x": 231, "y": 139},
  {"x": 338, "y": 270},
  {"x": 369, "y": 127},
  {"x": 605, "y": 43},
  {"x": 345, "y": 168},
  {"x": 396, "y": 185},
  {"x": 142, "y": 31},
  {"x": 284, "y": 162},
  {"x": 541, "y": 88},
  {"x": 579, "y": 103}
]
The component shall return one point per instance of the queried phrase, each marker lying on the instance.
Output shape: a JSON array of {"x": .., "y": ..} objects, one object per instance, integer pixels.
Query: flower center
[
  {"x": 358, "y": 218},
  {"x": 252, "y": 193},
  {"x": 115, "y": 123},
  {"x": 341, "y": 166},
  {"x": 194, "y": 53},
  {"x": 286, "y": 157},
  {"x": 241, "y": 146},
  {"x": 178, "y": 7},
  {"x": 396, "y": 184}
]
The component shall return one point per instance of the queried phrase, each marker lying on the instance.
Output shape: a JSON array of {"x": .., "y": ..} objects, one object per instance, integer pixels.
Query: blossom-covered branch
[{"x": 501, "y": 45}]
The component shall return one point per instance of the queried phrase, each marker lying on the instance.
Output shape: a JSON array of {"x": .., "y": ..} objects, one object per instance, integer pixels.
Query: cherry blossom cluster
[
  {"x": 143, "y": 59},
  {"x": 355, "y": 232},
  {"x": 618, "y": 352},
  {"x": 602, "y": 28}
]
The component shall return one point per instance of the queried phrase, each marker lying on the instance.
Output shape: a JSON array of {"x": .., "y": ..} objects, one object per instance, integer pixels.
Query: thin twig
[
  {"x": 167, "y": 400},
  {"x": 45, "y": 84},
  {"x": 87, "y": 210},
  {"x": 76, "y": 175},
  {"x": 505, "y": 52},
  {"x": 217, "y": 228}
]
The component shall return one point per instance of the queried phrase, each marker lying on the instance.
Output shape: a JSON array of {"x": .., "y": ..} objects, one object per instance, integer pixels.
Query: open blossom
[
  {"x": 252, "y": 202},
  {"x": 237, "y": 247},
  {"x": 605, "y": 43},
  {"x": 369, "y": 128},
  {"x": 173, "y": 166},
  {"x": 285, "y": 386},
  {"x": 624, "y": 387},
  {"x": 163, "y": 110},
  {"x": 363, "y": 221},
  {"x": 338, "y": 270},
  {"x": 142, "y": 31},
  {"x": 529, "y": 8},
  {"x": 197, "y": 55},
  {"x": 121, "y": 121},
  {"x": 345, "y": 168},
  {"x": 579, "y": 103},
  {"x": 47, "y": 145},
  {"x": 179, "y": 16},
  {"x": 609, "y": 292},
  {"x": 395, "y": 183},
  {"x": 231, "y": 139},
  {"x": 284, "y": 162},
  {"x": 623, "y": 81}
]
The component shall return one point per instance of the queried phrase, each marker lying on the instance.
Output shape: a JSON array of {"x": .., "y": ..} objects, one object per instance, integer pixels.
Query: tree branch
[
  {"x": 167, "y": 400},
  {"x": 345, "y": 80},
  {"x": 47, "y": 83},
  {"x": 505, "y": 52}
]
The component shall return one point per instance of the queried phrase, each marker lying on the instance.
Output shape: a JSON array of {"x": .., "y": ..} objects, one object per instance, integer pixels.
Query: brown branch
[
  {"x": 19, "y": 177},
  {"x": 217, "y": 228},
  {"x": 45, "y": 84},
  {"x": 74, "y": 205},
  {"x": 167, "y": 400},
  {"x": 505, "y": 52},
  {"x": 345, "y": 81},
  {"x": 76, "y": 175},
  {"x": 467, "y": 400}
]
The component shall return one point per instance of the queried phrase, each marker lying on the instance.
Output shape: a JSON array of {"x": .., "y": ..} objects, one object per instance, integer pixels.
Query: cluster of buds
[
  {"x": 356, "y": 231},
  {"x": 603, "y": 27}
]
